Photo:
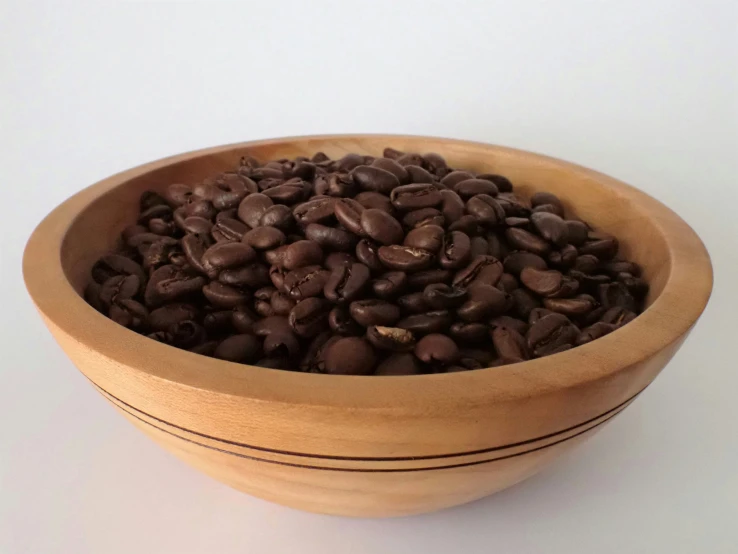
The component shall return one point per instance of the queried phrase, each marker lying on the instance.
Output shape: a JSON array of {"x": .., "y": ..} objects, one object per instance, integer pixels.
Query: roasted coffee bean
[
  {"x": 111, "y": 265},
  {"x": 616, "y": 295},
  {"x": 367, "y": 253},
  {"x": 389, "y": 285},
  {"x": 427, "y": 237},
  {"x": 339, "y": 185},
  {"x": 564, "y": 258},
  {"x": 223, "y": 296},
  {"x": 418, "y": 174},
  {"x": 617, "y": 315},
  {"x": 525, "y": 240},
  {"x": 309, "y": 317},
  {"x": 341, "y": 322},
  {"x": 374, "y": 179},
  {"x": 243, "y": 319},
  {"x": 302, "y": 253},
  {"x": 455, "y": 250},
  {"x": 410, "y": 158},
  {"x": 163, "y": 318},
  {"x": 119, "y": 287},
  {"x": 435, "y": 163},
  {"x": 318, "y": 210},
  {"x": 440, "y": 296},
  {"x": 451, "y": 179},
  {"x": 346, "y": 283},
  {"x": 551, "y": 227},
  {"x": 413, "y": 303},
  {"x": 129, "y": 313},
  {"x": 576, "y": 232},
  {"x": 399, "y": 364},
  {"x": 595, "y": 331},
  {"x": 437, "y": 349},
  {"x": 467, "y": 224},
  {"x": 510, "y": 322},
  {"x": 509, "y": 344},
  {"x": 374, "y": 312},
  {"x": 281, "y": 344},
  {"x": 587, "y": 264},
  {"x": 540, "y": 198},
  {"x": 279, "y": 216},
  {"x": 217, "y": 323},
  {"x": 271, "y": 325},
  {"x": 503, "y": 183},
  {"x": 251, "y": 276},
  {"x": 482, "y": 269},
  {"x": 201, "y": 208},
  {"x": 416, "y": 196},
  {"x": 169, "y": 283},
  {"x": 464, "y": 332},
  {"x": 471, "y": 187},
  {"x": 404, "y": 258},
  {"x": 350, "y": 356},
  {"x": 197, "y": 225},
  {"x": 348, "y": 213},
  {"x": 314, "y": 359},
  {"x": 381, "y": 227},
  {"x": 485, "y": 209},
  {"x": 483, "y": 301},
  {"x": 393, "y": 339},
  {"x": 603, "y": 246},
  {"x": 290, "y": 192},
  {"x": 538, "y": 313},
  {"x": 549, "y": 283},
  {"x": 264, "y": 238},
  {"x": 522, "y": 222},
  {"x": 421, "y": 279},
  {"x": 523, "y": 303},
  {"x": 393, "y": 167},
  {"x": 306, "y": 281},
  {"x": 375, "y": 200},
  {"x": 422, "y": 217},
  {"x": 226, "y": 255},
  {"x": 330, "y": 238},
  {"x": 507, "y": 283},
  {"x": 228, "y": 229},
  {"x": 338, "y": 259},
  {"x": 349, "y": 162},
  {"x": 238, "y": 348},
  {"x": 550, "y": 333},
  {"x": 281, "y": 303},
  {"x": 428, "y": 322},
  {"x": 616, "y": 267},
  {"x": 452, "y": 206},
  {"x": 513, "y": 205},
  {"x": 577, "y": 306},
  {"x": 253, "y": 207}
]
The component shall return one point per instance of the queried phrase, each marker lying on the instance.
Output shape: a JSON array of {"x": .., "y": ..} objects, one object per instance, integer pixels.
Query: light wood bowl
[{"x": 370, "y": 446}]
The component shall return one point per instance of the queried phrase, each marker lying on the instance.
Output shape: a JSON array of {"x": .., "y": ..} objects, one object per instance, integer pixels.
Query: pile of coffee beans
[{"x": 395, "y": 265}]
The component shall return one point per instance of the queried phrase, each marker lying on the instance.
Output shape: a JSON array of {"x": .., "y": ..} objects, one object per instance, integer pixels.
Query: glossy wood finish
[{"x": 370, "y": 446}]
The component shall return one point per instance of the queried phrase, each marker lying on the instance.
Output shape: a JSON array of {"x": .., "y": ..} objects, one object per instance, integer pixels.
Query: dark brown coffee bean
[
  {"x": 543, "y": 282},
  {"x": 437, "y": 349},
  {"x": 577, "y": 306},
  {"x": 348, "y": 213},
  {"x": 339, "y": 185},
  {"x": 540, "y": 198},
  {"x": 548, "y": 208},
  {"x": 525, "y": 240},
  {"x": 435, "y": 163},
  {"x": 413, "y": 303},
  {"x": 522, "y": 222},
  {"x": 170, "y": 283},
  {"x": 281, "y": 344},
  {"x": 538, "y": 313},
  {"x": 279, "y": 216},
  {"x": 424, "y": 216},
  {"x": 223, "y": 296},
  {"x": 218, "y": 323},
  {"x": 243, "y": 319},
  {"x": 187, "y": 334},
  {"x": 393, "y": 339},
  {"x": 163, "y": 318},
  {"x": 389, "y": 285},
  {"x": 550, "y": 333},
  {"x": 618, "y": 315},
  {"x": 509, "y": 344},
  {"x": 374, "y": 179},
  {"x": 472, "y": 187},
  {"x": 226, "y": 255},
  {"x": 251, "y": 276},
  {"x": 330, "y": 238},
  {"x": 440, "y": 296},
  {"x": 177, "y": 194},
  {"x": 338, "y": 259},
  {"x": 111, "y": 265},
  {"x": 381, "y": 227},
  {"x": 350, "y": 356},
  {"x": 374, "y": 312},
  {"x": 507, "y": 283},
  {"x": 455, "y": 251},
  {"x": 238, "y": 348},
  {"x": 346, "y": 283},
  {"x": 399, "y": 364},
  {"x": 228, "y": 229},
  {"x": 410, "y": 158},
  {"x": 200, "y": 208},
  {"x": 468, "y": 332},
  {"x": 264, "y": 238},
  {"x": 616, "y": 295},
  {"x": 523, "y": 303},
  {"x": 503, "y": 183},
  {"x": 119, "y": 287},
  {"x": 314, "y": 359},
  {"x": 341, "y": 322},
  {"x": 510, "y": 322},
  {"x": 482, "y": 269},
  {"x": 158, "y": 211},
  {"x": 271, "y": 325},
  {"x": 318, "y": 210},
  {"x": 485, "y": 209},
  {"x": 281, "y": 303},
  {"x": 367, "y": 253},
  {"x": 484, "y": 301},
  {"x": 587, "y": 264},
  {"x": 349, "y": 162},
  {"x": 427, "y": 237},
  {"x": 479, "y": 246},
  {"x": 451, "y": 179},
  {"x": 416, "y": 196},
  {"x": 576, "y": 232},
  {"x": 452, "y": 206},
  {"x": 404, "y": 258},
  {"x": 604, "y": 248},
  {"x": 302, "y": 253},
  {"x": 253, "y": 207},
  {"x": 421, "y": 279},
  {"x": 418, "y": 174},
  {"x": 593, "y": 332},
  {"x": 305, "y": 282},
  {"x": 615, "y": 267},
  {"x": 197, "y": 225},
  {"x": 309, "y": 317},
  {"x": 513, "y": 205},
  {"x": 290, "y": 192},
  {"x": 393, "y": 167},
  {"x": 375, "y": 200},
  {"x": 564, "y": 258},
  {"x": 129, "y": 313},
  {"x": 551, "y": 227},
  {"x": 428, "y": 322}
]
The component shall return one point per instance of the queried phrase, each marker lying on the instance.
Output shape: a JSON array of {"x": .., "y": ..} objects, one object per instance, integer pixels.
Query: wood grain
[{"x": 370, "y": 446}]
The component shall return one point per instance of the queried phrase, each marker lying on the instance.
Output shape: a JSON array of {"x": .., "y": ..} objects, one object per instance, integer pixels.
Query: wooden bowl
[{"x": 370, "y": 446}]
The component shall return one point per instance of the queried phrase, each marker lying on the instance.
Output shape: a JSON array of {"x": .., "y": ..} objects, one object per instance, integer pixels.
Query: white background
[{"x": 643, "y": 90}]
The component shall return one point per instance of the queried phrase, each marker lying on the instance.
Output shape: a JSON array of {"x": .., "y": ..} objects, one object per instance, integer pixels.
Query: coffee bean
[
  {"x": 616, "y": 295},
  {"x": 281, "y": 344},
  {"x": 418, "y": 174},
  {"x": 485, "y": 209},
  {"x": 390, "y": 338},
  {"x": 421, "y": 279},
  {"x": 367, "y": 253},
  {"x": 540, "y": 198},
  {"x": 550, "y": 333},
  {"x": 375, "y": 200},
  {"x": 410, "y": 158},
  {"x": 306, "y": 281},
  {"x": 350, "y": 356},
  {"x": 348, "y": 213},
  {"x": 472, "y": 187},
  {"x": 440, "y": 296},
  {"x": 510, "y": 322},
  {"x": 455, "y": 250},
  {"x": 507, "y": 283},
  {"x": 163, "y": 318},
  {"x": 413, "y": 303},
  {"x": 319, "y": 210},
  {"x": 482, "y": 269},
  {"x": 464, "y": 332},
  {"x": 437, "y": 349},
  {"x": 393, "y": 167},
  {"x": 579, "y": 305},
  {"x": 111, "y": 265},
  {"x": 416, "y": 196},
  {"x": 374, "y": 179},
  {"x": 435, "y": 163},
  {"x": 251, "y": 276},
  {"x": 309, "y": 317},
  {"x": 223, "y": 296},
  {"x": 428, "y": 322},
  {"x": 452, "y": 206},
  {"x": 427, "y": 237},
  {"x": 509, "y": 344},
  {"x": 399, "y": 364},
  {"x": 341, "y": 322},
  {"x": 169, "y": 283},
  {"x": 618, "y": 315},
  {"x": 576, "y": 232},
  {"x": 330, "y": 238},
  {"x": 346, "y": 283},
  {"x": 594, "y": 331},
  {"x": 523, "y": 303},
  {"x": 455, "y": 177},
  {"x": 228, "y": 229},
  {"x": 302, "y": 253},
  {"x": 604, "y": 247},
  {"x": 238, "y": 348},
  {"x": 390, "y": 284},
  {"x": 525, "y": 240},
  {"x": 484, "y": 301},
  {"x": 404, "y": 258},
  {"x": 503, "y": 183},
  {"x": 381, "y": 227},
  {"x": 374, "y": 312},
  {"x": 264, "y": 238},
  {"x": 551, "y": 227},
  {"x": 349, "y": 162},
  {"x": 129, "y": 313}
]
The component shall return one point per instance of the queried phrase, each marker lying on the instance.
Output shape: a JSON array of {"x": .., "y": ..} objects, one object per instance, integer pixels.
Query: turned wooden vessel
[{"x": 370, "y": 446}]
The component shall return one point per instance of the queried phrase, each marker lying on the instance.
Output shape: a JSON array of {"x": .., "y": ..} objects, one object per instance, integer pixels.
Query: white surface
[{"x": 645, "y": 91}]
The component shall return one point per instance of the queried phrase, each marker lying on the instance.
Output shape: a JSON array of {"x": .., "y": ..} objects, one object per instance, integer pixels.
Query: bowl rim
[{"x": 685, "y": 294}]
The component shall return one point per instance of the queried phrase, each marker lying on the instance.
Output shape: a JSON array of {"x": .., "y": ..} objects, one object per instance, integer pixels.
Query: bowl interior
[{"x": 96, "y": 228}]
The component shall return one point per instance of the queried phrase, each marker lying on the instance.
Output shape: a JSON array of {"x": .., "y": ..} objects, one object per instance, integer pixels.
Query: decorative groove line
[{"x": 113, "y": 400}]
